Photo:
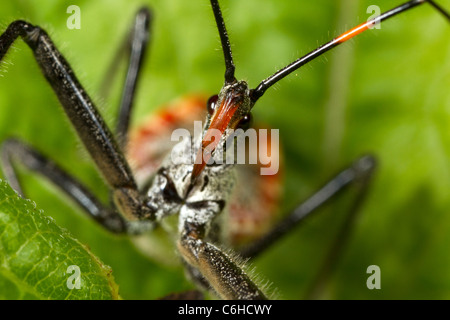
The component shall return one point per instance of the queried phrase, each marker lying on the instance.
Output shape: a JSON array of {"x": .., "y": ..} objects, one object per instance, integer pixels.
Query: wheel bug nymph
[{"x": 196, "y": 193}]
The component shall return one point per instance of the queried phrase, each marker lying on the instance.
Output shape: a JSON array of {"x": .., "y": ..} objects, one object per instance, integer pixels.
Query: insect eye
[
  {"x": 246, "y": 122},
  {"x": 211, "y": 104}
]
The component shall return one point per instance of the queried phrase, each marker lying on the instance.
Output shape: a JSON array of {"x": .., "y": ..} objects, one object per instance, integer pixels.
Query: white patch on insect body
[
  {"x": 197, "y": 204},
  {"x": 212, "y": 193}
]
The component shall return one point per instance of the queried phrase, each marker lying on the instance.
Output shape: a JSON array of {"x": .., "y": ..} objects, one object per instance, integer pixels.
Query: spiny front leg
[{"x": 225, "y": 276}]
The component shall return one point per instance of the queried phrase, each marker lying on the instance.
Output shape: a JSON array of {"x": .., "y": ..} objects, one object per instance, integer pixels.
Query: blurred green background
[{"x": 385, "y": 92}]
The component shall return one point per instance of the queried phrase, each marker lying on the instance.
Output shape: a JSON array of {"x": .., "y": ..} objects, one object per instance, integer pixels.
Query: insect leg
[
  {"x": 209, "y": 266},
  {"x": 359, "y": 173},
  {"x": 224, "y": 275},
  {"x": 88, "y": 123},
  {"x": 136, "y": 43},
  {"x": 13, "y": 150},
  {"x": 331, "y": 259}
]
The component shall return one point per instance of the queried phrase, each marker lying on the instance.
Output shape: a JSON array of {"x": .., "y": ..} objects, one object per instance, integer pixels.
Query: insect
[{"x": 415, "y": 9}]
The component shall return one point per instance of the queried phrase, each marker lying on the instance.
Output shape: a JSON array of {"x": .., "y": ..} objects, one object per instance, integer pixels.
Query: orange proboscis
[{"x": 220, "y": 121}]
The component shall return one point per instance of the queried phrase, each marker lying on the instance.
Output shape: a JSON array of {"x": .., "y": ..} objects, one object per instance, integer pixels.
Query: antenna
[
  {"x": 226, "y": 47},
  {"x": 270, "y": 81}
]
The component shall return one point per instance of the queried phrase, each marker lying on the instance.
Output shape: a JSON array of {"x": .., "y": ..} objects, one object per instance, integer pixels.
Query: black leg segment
[
  {"x": 84, "y": 116},
  {"x": 13, "y": 150},
  {"x": 136, "y": 46},
  {"x": 360, "y": 172}
]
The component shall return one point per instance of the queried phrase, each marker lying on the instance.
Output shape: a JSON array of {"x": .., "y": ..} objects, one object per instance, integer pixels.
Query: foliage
[
  {"x": 385, "y": 92},
  {"x": 35, "y": 255}
]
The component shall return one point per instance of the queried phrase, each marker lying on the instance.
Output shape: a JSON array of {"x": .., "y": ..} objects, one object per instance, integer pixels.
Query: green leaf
[
  {"x": 35, "y": 255},
  {"x": 384, "y": 92}
]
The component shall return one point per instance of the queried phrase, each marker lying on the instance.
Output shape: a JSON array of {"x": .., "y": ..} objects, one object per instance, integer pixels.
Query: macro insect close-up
[{"x": 381, "y": 97}]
